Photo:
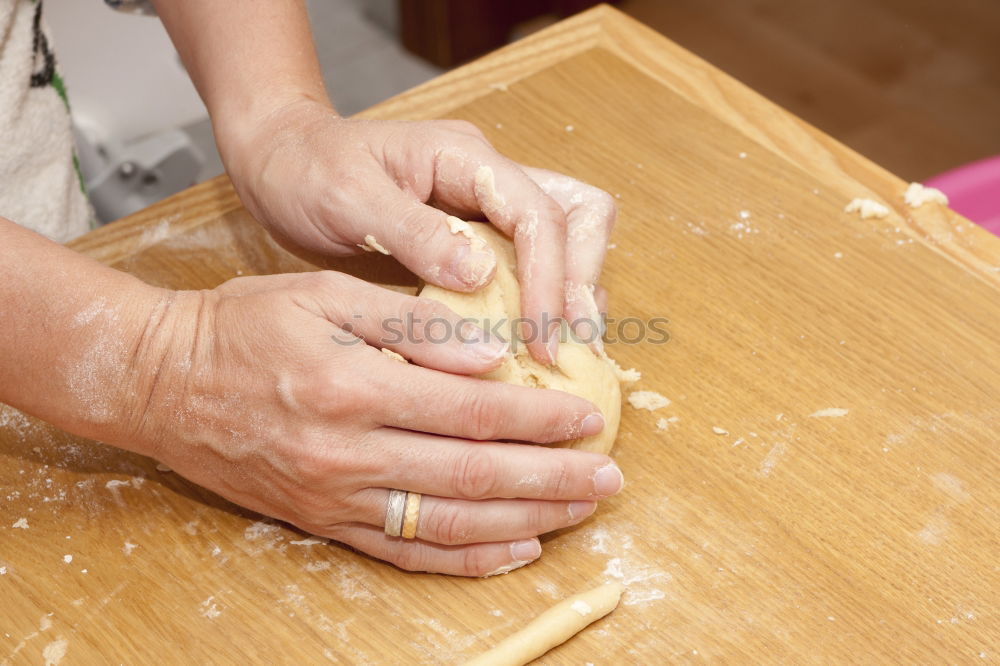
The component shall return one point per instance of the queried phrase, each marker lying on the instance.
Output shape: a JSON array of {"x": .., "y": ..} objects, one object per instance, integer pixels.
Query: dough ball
[{"x": 578, "y": 371}]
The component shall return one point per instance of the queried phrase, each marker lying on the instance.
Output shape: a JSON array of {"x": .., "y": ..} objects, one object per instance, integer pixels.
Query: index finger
[
  {"x": 436, "y": 402},
  {"x": 477, "y": 178}
]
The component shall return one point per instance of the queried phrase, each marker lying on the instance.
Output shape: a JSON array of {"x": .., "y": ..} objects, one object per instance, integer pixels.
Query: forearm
[
  {"x": 246, "y": 57},
  {"x": 72, "y": 334}
]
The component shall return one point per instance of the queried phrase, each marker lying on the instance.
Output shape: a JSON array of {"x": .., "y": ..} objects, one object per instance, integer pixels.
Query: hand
[
  {"x": 324, "y": 185},
  {"x": 261, "y": 395}
]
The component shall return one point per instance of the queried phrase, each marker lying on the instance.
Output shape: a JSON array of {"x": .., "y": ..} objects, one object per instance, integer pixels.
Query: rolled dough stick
[
  {"x": 578, "y": 371},
  {"x": 553, "y": 627}
]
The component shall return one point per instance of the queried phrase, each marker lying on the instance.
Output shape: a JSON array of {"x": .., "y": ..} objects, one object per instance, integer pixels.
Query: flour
[
  {"x": 771, "y": 460},
  {"x": 54, "y": 652},
  {"x": 209, "y": 609},
  {"x": 259, "y": 530},
  {"x": 20, "y": 524},
  {"x": 951, "y": 486},
  {"x": 665, "y": 423},
  {"x": 507, "y": 568},
  {"x": 829, "y": 412},
  {"x": 637, "y": 578}
]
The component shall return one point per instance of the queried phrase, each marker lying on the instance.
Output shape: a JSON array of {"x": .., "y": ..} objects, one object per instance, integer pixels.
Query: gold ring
[{"x": 410, "y": 515}]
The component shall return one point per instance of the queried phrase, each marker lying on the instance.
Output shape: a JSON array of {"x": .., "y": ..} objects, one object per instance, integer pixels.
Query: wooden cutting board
[{"x": 826, "y": 488}]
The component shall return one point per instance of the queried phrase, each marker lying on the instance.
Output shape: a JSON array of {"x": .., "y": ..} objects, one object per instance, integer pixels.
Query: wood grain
[{"x": 795, "y": 537}]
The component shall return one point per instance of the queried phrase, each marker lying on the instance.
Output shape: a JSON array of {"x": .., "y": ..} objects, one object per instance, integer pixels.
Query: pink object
[{"x": 974, "y": 191}]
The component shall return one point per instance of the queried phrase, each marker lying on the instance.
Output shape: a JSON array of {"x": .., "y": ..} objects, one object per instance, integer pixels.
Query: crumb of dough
[
  {"x": 372, "y": 245},
  {"x": 569, "y": 128},
  {"x": 393, "y": 355},
  {"x": 21, "y": 524},
  {"x": 650, "y": 400},
  {"x": 160, "y": 467},
  {"x": 829, "y": 412},
  {"x": 917, "y": 195},
  {"x": 664, "y": 424},
  {"x": 626, "y": 376},
  {"x": 457, "y": 225},
  {"x": 719, "y": 431},
  {"x": 485, "y": 188},
  {"x": 460, "y": 226},
  {"x": 867, "y": 208}
]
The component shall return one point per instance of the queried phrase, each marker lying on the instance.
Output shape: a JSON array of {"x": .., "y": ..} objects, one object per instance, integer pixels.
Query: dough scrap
[
  {"x": 393, "y": 355},
  {"x": 553, "y": 627},
  {"x": 650, "y": 400},
  {"x": 372, "y": 245},
  {"x": 867, "y": 208},
  {"x": 917, "y": 195},
  {"x": 496, "y": 306}
]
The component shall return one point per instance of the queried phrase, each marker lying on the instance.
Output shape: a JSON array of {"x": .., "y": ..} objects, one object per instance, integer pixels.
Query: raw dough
[
  {"x": 372, "y": 245},
  {"x": 650, "y": 400},
  {"x": 867, "y": 208},
  {"x": 579, "y": 371},
  {"x": 553, "y": 627},
  {"x": 917, "y": 195}
]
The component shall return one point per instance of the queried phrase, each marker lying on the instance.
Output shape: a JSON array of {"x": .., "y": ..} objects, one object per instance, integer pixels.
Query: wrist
[
  {"x": 163, "y": 342},
  {"x": 246, "y": 132}
]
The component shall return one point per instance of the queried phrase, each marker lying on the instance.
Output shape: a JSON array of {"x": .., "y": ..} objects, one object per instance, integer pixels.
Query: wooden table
[{"x": 793, "y": 537}]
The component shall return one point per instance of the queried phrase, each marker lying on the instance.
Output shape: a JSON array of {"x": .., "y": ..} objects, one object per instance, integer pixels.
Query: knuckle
[
  {"x": 554, "y": 426},
  {"x": 539, "y": 517},
  {"x": 554, "y": 214},
  {"x": 560, "y": 480},
  {"x": 475, "y": 475},
  {"x": 416, "y": 228},
  {"x": 334, "y": 397},
  {"x": 482, "y": 415},
  {"x": 423, "y": 312},
  {"x": 449, "y": 527},
  {"x": 410, "y": 558},
  {"x": 466, "y": 127},
  {"x": 474, "y": 562}
]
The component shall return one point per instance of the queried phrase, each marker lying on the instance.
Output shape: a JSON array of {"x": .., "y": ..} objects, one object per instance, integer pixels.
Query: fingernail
[
  {"x": 552, "y": 343},
  {"x": 580, "y": 509},
  {"x": 488, "y": 351},
  {"x": 608, "y": 480},
  {"x": 473, "y": 267},
  {"x": 479, "y": 344},
  {"x": 593, "y": 424},
  {"x": 525, "y": 551}
]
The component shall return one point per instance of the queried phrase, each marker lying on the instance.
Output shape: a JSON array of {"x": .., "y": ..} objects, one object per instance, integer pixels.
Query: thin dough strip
[{"x": 553, "y": 627}]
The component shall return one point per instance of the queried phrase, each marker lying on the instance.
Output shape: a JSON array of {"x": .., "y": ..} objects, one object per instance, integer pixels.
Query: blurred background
[{"x": 912, "y": 84}]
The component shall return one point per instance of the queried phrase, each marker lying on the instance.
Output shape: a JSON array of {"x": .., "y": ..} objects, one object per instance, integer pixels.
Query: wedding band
[
  {"x": 410, "y": 515},
  {"x": 394, "y": 509}
]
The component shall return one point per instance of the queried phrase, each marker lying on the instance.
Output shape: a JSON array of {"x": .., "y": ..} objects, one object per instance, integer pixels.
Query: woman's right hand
[{"x": 258, "y": 391}]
